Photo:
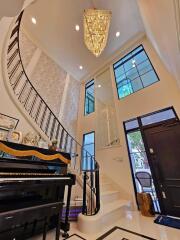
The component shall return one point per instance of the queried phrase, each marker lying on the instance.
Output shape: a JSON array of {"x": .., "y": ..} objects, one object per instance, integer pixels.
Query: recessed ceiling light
[
  {"x": 77, "y": 27},
  {"x": 99, "y": 85},
  {"x": 81, "y": 67},
  {"x": 33, "y": 20},
  {"x": 117, "y": 34}
]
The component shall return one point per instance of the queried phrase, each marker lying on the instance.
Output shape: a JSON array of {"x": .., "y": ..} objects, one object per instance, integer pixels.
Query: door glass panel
[
  {"x": 131, "y": 124},
  {"x": 158, "y": 117},
  {"x": 140, "y": 166}
]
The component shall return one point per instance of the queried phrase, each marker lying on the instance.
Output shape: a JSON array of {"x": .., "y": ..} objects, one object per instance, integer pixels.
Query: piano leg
[
  {"x": 45, "y": 228},
  {"x": 58, "y": 224},
  {"x": 66, "y": 223}
]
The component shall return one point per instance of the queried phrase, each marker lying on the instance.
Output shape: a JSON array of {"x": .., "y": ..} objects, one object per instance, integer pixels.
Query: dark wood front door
[{"x": 163, "y": 146}]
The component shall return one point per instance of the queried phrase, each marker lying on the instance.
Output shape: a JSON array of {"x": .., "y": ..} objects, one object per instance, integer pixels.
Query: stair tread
[
  {"x": 109, "y": 207},
  {"x": 108, "y": 192}
]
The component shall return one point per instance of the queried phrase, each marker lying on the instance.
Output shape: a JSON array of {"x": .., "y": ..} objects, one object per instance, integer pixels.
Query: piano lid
[{"x": 20, "y": 150}]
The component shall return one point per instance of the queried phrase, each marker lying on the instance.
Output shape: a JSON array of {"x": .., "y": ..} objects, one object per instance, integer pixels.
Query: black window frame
[
  {"x": 114, "y": 68},
  {"x": 87, "y": 85}
]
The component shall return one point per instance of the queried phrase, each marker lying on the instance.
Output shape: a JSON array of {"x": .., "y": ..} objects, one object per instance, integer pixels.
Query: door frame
[{"x": 141, "y": 128}]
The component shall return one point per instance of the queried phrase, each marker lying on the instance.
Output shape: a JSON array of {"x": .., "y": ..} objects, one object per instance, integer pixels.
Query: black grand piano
[{"x": 32, "y": 189}]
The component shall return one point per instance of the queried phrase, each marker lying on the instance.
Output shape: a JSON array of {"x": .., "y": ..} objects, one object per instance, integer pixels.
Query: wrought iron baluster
[
  {"x": 33, "y": 103},
  {"x": 92, "y": 193},
  {"x": 66, "y": 141},
  {"x": 15, "y": 30},
  {"x": 84, "y": 208},
  {"x": 70, "y": 147},
  {"x": 22, "y": 89},
  {"x": 48, "y": 121},
  {"x": 14, "y": 70},
  {"x": 38, "y": 111},
  {"x": 12, "y": 57},
  {"x": 15, "y": 84},
  {"x": 27, "y": 98},
  {"x": 12, "y": 44},
  {"x": 52, "y": 128},
  {"x": 19, "y": 18},
  {"x": 61, "y": 139},
  {"x": 43, "y": 116},
  {"x": 57, "y": 131}
]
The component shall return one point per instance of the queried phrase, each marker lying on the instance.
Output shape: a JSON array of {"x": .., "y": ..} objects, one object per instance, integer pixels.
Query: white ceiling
[{"x": 55, "y": 30}]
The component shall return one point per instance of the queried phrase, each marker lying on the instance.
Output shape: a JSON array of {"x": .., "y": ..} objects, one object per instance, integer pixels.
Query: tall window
[
  {"x": 134, "y": 72},
  {"x": 89, "y": 97},
  {"x": 88, "y": 152}
]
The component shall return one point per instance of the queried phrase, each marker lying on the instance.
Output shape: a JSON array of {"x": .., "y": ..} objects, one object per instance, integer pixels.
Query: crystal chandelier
[{"x": 96, "y": 29}]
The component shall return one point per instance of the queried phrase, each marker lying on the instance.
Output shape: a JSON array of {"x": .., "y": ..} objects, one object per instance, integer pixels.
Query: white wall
[
  {"x": 162, "y": 23},
  {"x": 115, "y": 162}
]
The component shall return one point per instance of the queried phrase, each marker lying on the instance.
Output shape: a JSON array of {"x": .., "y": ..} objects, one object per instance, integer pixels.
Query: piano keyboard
[
  {"x": 33, "y": 178},
  {"x": 28, "y": 174}
]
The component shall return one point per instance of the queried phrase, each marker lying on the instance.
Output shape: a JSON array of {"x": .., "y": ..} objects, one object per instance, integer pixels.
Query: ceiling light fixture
[
  {"x": 117, "y": 34},
  {"x": 99, "y": 85},
  {"x": 81, "y": 67},
  {"x": 33, "y": 19},
  {"x": 96, "y": 29},
  {"x": 77, "y": 27}
]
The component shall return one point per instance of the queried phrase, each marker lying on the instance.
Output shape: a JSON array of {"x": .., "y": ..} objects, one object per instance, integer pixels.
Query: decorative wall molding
[{"x": 177, "y": 18}]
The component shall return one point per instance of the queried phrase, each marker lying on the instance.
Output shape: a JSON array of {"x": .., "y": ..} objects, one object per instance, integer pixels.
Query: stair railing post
[{"x": 84, "y": 208}]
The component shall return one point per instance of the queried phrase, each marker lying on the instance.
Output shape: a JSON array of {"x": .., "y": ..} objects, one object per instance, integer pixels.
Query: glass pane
[
  {"x": 88, "y": 151},
  {"x": 144, "y": 67},
  {"x": 149, "y": 78},
  {"x": 131, "y": 124},
  {"x": 125, "y": 90},
  {"x": 140, "y": 57},
  {"x": 136, "y": 84},
  {"x": 158, "y": 117},
  {"x": 89, "y": 98},
  {"x": 89, "y": 148},
  {"x": 135, "y": 142},
  {"x": 132, "y": 73},
  {"x": 119, "y": 71},
  {"x": 128, "y": 65},
  {"x": 88, "y": 138},
  {"x": 120, "y": 78},
  {"x": 122, "y": 83}
]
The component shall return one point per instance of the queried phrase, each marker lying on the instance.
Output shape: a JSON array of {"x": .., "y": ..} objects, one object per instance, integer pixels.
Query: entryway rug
[
  {"x": 117, "y": 233},
  {"x": 168, "y": 221}
]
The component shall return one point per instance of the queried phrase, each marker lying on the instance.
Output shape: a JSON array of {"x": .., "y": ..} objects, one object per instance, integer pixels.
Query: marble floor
[{"x": 144, "y": 227}]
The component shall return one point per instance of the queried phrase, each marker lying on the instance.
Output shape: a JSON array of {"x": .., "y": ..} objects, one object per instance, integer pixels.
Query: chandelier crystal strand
[{"x": 96, "y": 29}]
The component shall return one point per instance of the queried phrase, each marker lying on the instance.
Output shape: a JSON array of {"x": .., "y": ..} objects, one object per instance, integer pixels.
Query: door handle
[
  {"x": 151, "y": 150},
  {"x": 163, "y": 195}
]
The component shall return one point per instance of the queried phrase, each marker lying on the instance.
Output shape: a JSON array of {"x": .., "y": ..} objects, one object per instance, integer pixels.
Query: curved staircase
[
  {"x": 93, "y": 218},
  {"x": 39, "y": 114}
]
